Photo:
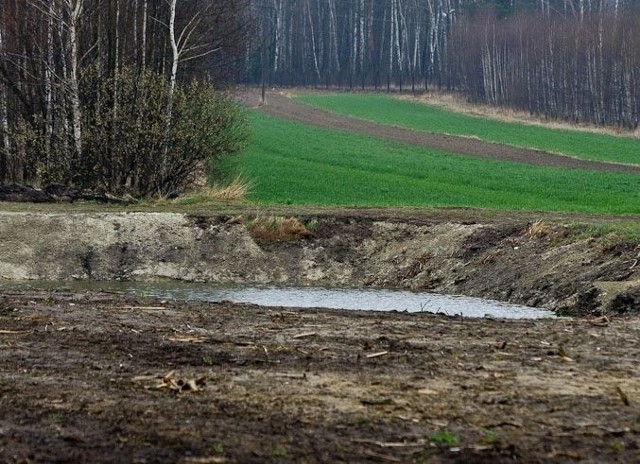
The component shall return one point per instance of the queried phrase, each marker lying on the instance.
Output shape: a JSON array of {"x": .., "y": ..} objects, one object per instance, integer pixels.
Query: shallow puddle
[{"x": 305, "y": 297}]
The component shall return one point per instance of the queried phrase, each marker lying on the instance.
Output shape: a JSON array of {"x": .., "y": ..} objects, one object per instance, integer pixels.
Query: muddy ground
[{"x": 102, "y": 378}]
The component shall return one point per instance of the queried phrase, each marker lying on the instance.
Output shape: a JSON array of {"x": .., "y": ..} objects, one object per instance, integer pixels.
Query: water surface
[{"x": 306, "y": 297}]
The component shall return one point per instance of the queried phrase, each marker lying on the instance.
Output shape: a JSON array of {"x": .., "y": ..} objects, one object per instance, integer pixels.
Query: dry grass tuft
[
  {"x": 277, "y": 229},
  {"x": 237, "y": 190},
  {"x": 539, "y": 229}
]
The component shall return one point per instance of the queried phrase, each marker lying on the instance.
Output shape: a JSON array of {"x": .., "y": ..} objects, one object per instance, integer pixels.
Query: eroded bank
[{"x": 535, "y": 264}]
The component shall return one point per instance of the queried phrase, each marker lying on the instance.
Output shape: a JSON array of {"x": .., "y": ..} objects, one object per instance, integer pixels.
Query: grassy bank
[
  {"x": 291, "y": 163},
  {"x": 429, "y": 118}
]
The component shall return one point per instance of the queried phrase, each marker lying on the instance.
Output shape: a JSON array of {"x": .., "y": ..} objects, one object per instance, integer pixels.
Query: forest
[
  {"x": 123, "y": 94},
  {"x": 118, "y": 94},
  {"x": 577, "y": 60}
]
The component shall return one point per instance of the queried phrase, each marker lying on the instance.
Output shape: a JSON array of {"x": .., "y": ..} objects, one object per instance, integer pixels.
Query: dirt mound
[
  {"x": 532, "y": 264},
  {"x": 57, "y": 193}
]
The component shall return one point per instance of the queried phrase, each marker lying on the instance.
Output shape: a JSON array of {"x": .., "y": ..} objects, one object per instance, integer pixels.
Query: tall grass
[
  {"x": 291, "y": 163},
  {"x": 430, "y": 118}
]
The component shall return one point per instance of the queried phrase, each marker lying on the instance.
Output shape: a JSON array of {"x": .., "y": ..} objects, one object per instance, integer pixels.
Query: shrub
[{"x": 127, "y": 145}]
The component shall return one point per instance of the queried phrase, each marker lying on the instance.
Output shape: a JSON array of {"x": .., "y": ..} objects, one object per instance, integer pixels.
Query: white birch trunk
[
  {"x": 75, "y": 11},
  {"x": 175, "y": 55},
  {"x": 314, "y": 51},
  {"x": 4, "y": 115},
  {"x": 143, "y": 41},
  {"x": 333, "y": 33},
  {"x": 48, "y": 71}
]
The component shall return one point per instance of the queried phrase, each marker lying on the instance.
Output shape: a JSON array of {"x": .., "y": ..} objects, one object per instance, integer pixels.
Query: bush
[{"x": 127, "y": 145}]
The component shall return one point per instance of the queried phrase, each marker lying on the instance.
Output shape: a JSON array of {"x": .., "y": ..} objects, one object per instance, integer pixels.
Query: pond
[{"x": 304, "y": 297}]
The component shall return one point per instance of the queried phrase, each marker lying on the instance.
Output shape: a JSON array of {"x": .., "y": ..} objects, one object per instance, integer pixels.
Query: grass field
[
  {"x": 429, "y": 118},
  {"x": 291, "y": 163}
]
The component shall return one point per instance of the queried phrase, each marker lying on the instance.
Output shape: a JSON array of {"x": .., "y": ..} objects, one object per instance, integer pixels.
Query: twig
[
  {"x": 141, "y": 308},
  {"x": 377, "y": 355},
  {"x": 623, "y": 396},
  {"x": 291, "y": 376}
]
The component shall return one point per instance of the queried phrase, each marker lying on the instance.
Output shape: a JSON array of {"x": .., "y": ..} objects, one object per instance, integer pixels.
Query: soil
[
  {"x": 544, "y": 263},
  {"x": 103, "y": 378},
  {"x": 280, "y": 105}
]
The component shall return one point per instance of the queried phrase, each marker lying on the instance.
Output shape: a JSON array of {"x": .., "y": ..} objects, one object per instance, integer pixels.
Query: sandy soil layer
[{"x": 101, "y": 378}]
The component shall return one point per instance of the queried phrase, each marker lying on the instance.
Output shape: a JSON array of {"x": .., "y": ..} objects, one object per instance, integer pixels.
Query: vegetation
[
  {"x": 429, "y": 118},
  {"x": 115, "y": 95},
  {"x": 276, "y": 228},
  {"x": 444, "y": 438},
  {"x": 296, "y": 164}
]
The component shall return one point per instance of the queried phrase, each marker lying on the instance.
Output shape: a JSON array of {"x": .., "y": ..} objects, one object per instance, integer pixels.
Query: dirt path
[
  {"x": 281, "y": 106},
  {"x": 101, "y": 378}
]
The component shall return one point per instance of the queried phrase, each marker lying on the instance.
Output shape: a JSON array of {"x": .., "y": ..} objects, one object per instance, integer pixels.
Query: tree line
[
  {"x": 117, "y": 94},
  {"x": 576, "y": 69},
  {"x": 572, "y": 59}
]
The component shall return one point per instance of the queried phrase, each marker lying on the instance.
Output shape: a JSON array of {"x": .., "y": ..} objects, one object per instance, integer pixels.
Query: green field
[
  {"x": 387, "y": 110},
  {"x": 291, "y": 163}
]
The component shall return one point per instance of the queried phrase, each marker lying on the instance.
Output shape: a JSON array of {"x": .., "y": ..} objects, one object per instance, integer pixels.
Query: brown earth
[
  {"x": 545, "y": 263},
  {"x": 87, "y": 377},
  {"x": 280, "y": 105},
  {"x": 101, "y": 378}
]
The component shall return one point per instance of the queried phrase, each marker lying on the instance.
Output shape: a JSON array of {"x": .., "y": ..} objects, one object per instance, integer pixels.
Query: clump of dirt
[
  {"x": 102, "y": 378},
  {"x": 533, "y": 263}
]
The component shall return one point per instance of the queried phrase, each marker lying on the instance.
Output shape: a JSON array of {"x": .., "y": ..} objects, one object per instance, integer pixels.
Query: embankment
[{"x": 537, "y": 264}]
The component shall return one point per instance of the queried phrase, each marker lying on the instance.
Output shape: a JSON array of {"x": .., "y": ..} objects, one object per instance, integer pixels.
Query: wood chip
[
  {"x": 187, "y": 339},
  {"x": 377, "y": 355},
  {"x": 14, "y": 332},
  {"x": 141, "y": 308},
  {"x": 623, "y": 396},
  {"x": 602, "y": 321},
  {"x": 305, "y": 335}
]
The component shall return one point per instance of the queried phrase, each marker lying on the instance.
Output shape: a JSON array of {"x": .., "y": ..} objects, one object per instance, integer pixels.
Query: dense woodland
[
  {"x": 572, "y": 59},
  {"x": 118, "y": 94}
]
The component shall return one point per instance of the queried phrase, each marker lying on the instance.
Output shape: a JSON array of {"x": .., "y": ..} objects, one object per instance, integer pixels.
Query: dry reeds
[
  {"x": 277, "y": 229},
  {"x": 539, "y": 229},
  {"x": 237, "y": 190}
]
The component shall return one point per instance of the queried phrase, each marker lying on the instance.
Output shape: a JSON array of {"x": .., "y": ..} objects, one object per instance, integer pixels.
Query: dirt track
[
  {"x": 280, "y": 105},
  {"x": 97, "y": 378}
]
